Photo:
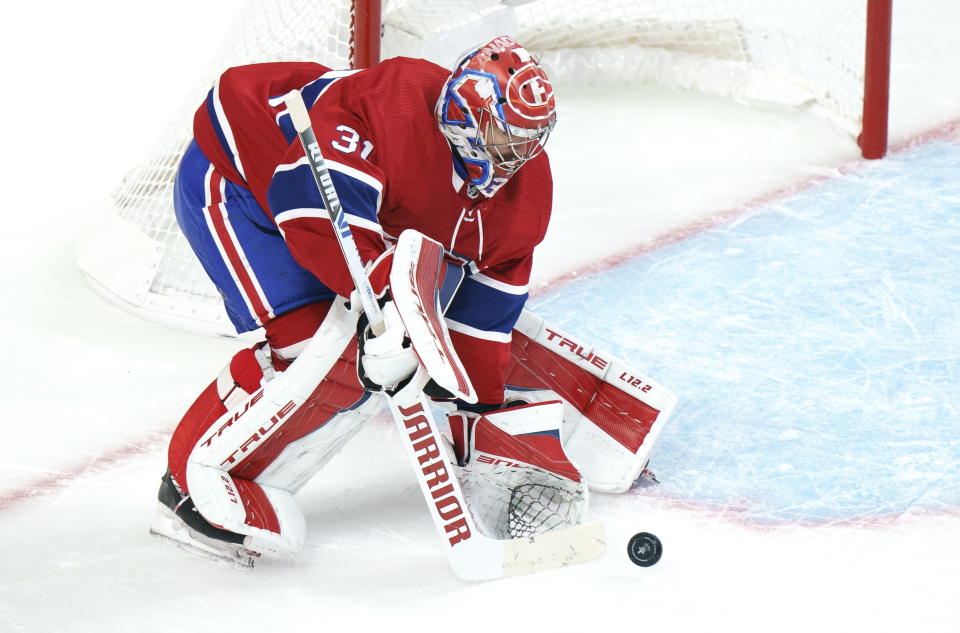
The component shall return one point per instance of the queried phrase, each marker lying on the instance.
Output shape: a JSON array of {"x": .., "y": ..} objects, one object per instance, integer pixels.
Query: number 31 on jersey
[{"x": 350, "y": 141}]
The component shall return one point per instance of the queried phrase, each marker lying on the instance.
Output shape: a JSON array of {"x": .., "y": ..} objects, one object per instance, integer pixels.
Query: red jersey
[{"x": 393, "y": 170}]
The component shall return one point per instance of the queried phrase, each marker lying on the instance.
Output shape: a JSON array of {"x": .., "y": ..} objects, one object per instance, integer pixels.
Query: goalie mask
[{"x": 496, "y": 109}]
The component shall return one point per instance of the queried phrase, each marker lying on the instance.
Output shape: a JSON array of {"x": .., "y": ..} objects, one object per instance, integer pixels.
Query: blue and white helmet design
[{"x": 496, "y": 109}]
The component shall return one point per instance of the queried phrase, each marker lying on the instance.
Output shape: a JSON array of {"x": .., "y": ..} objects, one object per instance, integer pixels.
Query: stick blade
[
  {"x": 483, "y": 558},
  {"x": 560, "y": 548}
]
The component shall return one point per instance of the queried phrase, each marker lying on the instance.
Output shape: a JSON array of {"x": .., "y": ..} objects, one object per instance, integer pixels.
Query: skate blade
[
  {"x": 166, "y": 529},
  {"x": 234, "y": 559}
]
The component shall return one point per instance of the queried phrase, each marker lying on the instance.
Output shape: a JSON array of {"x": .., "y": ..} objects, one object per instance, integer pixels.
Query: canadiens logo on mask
[
  {"x": 496, "y": 109},
  {"x": 536, "y": 92}
]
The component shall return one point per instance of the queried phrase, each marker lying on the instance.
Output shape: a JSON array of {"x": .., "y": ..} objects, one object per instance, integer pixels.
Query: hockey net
[
  {"x": 516, "y": 501},
  {"x": 805, "y": 54}
]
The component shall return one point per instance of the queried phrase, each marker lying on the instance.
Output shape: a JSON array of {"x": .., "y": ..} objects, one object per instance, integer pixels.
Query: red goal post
[
  {"x": 829, "y": 58},
  {"x": 876, "y": 88},
  {"x": 877, "y": 16}
]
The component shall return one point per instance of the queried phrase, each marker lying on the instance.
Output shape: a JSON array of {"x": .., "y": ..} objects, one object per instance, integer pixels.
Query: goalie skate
[{"x": 170, "y": 528}]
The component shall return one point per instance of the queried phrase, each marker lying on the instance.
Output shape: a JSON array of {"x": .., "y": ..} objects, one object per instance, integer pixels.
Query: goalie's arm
[{"x": 302, "y": 215}]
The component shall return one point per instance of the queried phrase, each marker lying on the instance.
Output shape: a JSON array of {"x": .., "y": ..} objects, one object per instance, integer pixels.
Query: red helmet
[{"x": 497, "y": 110}]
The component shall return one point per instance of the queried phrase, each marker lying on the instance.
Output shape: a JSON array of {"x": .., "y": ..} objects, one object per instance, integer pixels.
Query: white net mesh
[
  {"x": 802, "y": 53},
  {"x": 518, "y": 501},
  {"x": 537, "y": 508},
  {"x": 772, "y": 50},
  {"x": 170, "y": 285}
]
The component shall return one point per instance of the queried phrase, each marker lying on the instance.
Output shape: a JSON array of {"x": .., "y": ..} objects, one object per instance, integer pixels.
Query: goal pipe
[
  {"x": 876, "y": 79},
  {"x": 365, "y": 51},
  {"x": 365, "y": 18}
]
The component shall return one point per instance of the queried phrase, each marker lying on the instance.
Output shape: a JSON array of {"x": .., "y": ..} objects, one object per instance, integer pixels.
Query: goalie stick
[
  {"x": 331, "y": 202},
  {"x": 472, "y": 555}
]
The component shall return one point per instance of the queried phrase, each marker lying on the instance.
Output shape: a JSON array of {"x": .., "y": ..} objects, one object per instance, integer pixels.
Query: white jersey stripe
[
  {"x": 207, "y": 215},
  {"x": 347, "y": 170},
  {"x": 333, "y": 74},
  {"x": 225, "y": 126},
  {"x": 499, "y": 285},
  {"x": 480, "y": 231},
  {"x": 321, "y": 214},
  {"x": 498, "y": 337},
  {"x": 243, "y": 257},
  {"x": 291, "y": 166}
]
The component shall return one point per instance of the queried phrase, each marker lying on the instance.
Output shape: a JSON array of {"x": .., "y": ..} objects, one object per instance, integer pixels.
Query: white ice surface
[{"x": 89, "y": 394}]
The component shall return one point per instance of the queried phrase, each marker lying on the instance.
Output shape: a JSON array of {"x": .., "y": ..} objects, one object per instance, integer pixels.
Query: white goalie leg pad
[
  {"x": 243, "y": 428},
  {"x": 266, "y": 513},
  {"x": 304, "y": 458},
  {"x": 269, "y": 517},
  {"x": 517, "y": 480},
  {"x": 613, "y": 414}
]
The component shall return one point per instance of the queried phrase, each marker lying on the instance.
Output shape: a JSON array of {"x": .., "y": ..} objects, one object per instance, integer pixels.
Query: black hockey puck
[{"x": 644, "y": 549}]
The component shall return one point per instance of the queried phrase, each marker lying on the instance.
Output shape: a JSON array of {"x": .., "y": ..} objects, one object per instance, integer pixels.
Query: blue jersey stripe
[
  {"x": 286, "y": 127},
  {"x": 296, "y": 189},
  {"x": 310, "y": 93},
  {"x": 485, "y": 308},
  {"x": 452, "y": 278}
]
